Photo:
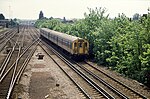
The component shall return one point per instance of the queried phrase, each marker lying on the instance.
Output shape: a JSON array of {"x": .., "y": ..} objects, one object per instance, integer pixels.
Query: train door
[
  {"x": 75, "y": 48},
  {"x": 80, "y": 47},
  {"x": 85, "y": 47}
]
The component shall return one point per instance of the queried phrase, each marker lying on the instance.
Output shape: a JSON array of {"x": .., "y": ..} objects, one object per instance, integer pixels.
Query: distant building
[
  {"x": 27, "y": 22},
  {"x": 4, "y": 23},
  {"x": 64, "y": 20},
  {"x": 136, "y": 16}
]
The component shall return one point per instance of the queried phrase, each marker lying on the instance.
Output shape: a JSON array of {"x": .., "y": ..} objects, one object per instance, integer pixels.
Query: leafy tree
[
  {"x": 119, "y": 43},
  {"x": 2, "y": 17},
  {"x": 41, "y": 15}
]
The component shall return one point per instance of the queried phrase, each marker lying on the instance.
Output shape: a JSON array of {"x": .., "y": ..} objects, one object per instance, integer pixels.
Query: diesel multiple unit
[{"x": 73, "y": 45}]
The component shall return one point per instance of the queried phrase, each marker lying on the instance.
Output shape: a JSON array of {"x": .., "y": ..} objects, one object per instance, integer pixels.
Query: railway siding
[{"x": 15, "y": 61}]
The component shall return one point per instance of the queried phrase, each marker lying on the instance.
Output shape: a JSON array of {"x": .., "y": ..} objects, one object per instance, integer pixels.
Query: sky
[{"x": 30, "y": 9}]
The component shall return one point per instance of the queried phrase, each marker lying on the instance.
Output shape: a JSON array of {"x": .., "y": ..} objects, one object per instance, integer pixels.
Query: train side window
[
  {"x": 59, "y": 40},
  {"x": 48, "y": 35},
  {"x": 67, "y": 43},
  {"x": 70, "y": 45},
  {"x": 62, "y": 41}
]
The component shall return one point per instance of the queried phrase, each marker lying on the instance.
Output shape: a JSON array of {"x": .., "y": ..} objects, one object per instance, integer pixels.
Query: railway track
[
  {"x": 4, "y": 33},
  {"x": 8, "y": 58},
  {"x": 14, "y": 72},
  {"x": 112, "y": 89},
  {"x": 132, "y": 94},
  {"x": 88, "y": 87},
  {"x": 35, "y": 32},
  {"x": 15, "y": 63},
  {"x": 91, "y": 81},
  {"x": 6, "y": 37}
]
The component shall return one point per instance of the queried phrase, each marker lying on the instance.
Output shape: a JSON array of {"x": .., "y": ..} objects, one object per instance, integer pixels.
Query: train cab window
[
  {"x": 80, "y": 44},
  {"x": 70, "y": 45}
]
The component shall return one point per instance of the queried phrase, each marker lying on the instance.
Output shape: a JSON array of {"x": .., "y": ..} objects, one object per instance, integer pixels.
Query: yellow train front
[{"x": 75, "y": 46}]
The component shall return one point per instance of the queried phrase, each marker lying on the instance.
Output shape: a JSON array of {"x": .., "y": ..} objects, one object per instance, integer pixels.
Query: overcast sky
[{"x": 29, "y": 9}]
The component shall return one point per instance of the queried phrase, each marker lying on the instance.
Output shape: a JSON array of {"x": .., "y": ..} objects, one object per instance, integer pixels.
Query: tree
[
  {"x": 119, "y": 43},
  {"x": 41, "y": 15},
  {"x": 64, "y": 20},
  {"x": 2, "y": 17}
]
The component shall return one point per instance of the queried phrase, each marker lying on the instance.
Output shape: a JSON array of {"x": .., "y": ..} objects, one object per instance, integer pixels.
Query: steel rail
[
  {"x": 1, "y": 79},
  {"x": 5, "y": 37},
  {"x": 7, "y": 41},
  {"x": 80, "y": 88},
  {"x": 16, "y": 64},
  {"x": 2, "y": 33},
  {"x": 34, "y": 36},
  {"x": 144, "y": 97},
  {"x": 8, "y": 55},
  {"x": 7, "y": 59},
  {"x": 90, "y": 81},
  {"x": 103, "y": 82},
  {"x": 15, "y": 67},
  {"x": 20, "y": 71}
]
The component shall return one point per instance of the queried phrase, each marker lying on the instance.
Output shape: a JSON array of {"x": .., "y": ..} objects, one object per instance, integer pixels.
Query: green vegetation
[
  {"x": 2, "y": 17},
  {"x": 120, "y": 43}
]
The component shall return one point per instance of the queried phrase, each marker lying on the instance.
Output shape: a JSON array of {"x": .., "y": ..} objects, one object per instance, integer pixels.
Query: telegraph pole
[{"x": 18, "y": 27}]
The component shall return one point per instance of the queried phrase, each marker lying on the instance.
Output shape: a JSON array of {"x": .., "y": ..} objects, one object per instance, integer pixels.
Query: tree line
[{"x": 121, "y": 44}]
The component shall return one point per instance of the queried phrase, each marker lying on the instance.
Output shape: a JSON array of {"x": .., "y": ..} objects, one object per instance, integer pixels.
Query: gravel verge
[{"x": 43, "y": 79}]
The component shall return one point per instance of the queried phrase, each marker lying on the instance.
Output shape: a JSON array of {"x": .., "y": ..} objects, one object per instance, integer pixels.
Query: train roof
[{"x": 62, "y": 35}]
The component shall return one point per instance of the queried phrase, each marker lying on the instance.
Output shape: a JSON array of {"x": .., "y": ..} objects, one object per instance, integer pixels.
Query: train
[{"x": 76, "y": 47}]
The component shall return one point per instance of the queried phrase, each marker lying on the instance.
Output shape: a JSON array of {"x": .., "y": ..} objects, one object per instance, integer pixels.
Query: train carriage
[{"x": 74, "y": 45}]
